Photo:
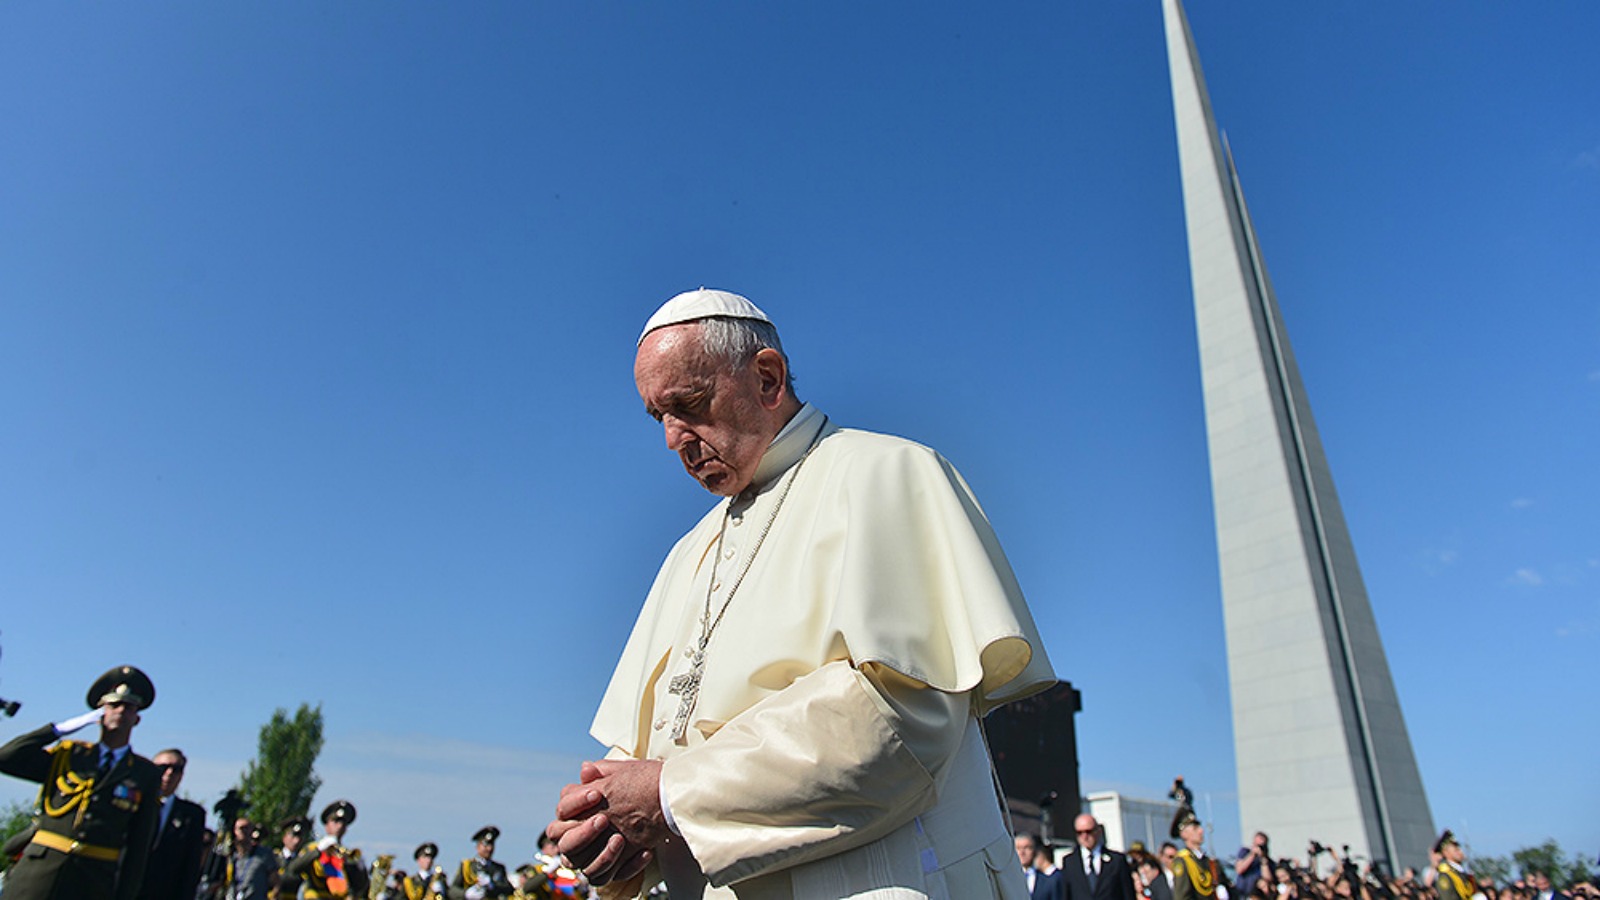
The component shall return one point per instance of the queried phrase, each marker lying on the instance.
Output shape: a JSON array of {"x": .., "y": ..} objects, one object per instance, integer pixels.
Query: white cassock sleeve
[{"x": 837, "y": 759}]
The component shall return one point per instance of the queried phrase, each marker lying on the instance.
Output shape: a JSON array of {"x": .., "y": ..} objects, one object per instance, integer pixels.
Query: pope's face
[{"x": 714, "y": 419}]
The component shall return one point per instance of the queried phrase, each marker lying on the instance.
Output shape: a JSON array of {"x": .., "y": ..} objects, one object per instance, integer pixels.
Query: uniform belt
[{"x": 76, "y": 848}]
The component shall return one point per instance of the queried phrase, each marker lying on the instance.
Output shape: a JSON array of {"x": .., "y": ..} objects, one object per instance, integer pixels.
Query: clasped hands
[{"x": 610, "y": 824}]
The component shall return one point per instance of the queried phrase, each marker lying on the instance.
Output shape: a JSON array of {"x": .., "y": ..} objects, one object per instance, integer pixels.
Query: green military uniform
[
  {"x": 418, "y": 887},
  {"x": 1195, "y": 876},
  {"x": 428, "y": 885},
  {"x": 94, "y": 826},
  {"x": 289, "y": 885},
  {"x": 335, "y": 871},
  {"x": 1453, "y": 883},
  {"x": 533, "y": 884},
  {"x": 476, "y": 871}
]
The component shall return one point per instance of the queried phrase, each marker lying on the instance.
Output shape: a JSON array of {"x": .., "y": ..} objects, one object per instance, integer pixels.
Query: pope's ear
[{"x": 772, "y": 376}]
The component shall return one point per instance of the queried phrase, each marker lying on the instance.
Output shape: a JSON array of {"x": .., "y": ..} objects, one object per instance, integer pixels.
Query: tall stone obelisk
[{"x": 1320, "y": 742}]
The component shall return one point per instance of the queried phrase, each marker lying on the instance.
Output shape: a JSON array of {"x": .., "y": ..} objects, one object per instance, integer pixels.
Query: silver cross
[{"x": 688, "y": 685}]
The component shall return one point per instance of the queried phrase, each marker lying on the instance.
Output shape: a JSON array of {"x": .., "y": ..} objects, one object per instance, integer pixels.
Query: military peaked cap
[
  {"x": 339, "y": 810},
  {"x": 124, "y": 684},
  {"x": 1182, "y": 819},
  {"x": 488, "y": 834},
  {"x": 428, "y": 849}
]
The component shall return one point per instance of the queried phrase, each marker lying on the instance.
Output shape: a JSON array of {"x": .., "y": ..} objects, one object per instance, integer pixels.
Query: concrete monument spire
[{"x": 1319, "y": 739}]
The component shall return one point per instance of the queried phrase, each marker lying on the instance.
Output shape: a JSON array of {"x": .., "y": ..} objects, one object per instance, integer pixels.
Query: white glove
[
  {"x": 78, "y": 723},
  {"x": 476, "y": 892},
  {"x": 327, "y": 841},
  {"x": 483, "y": 880}
]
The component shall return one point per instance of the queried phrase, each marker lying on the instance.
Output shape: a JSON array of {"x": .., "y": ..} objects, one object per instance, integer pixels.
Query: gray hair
[{"x": 737, "y": 341}]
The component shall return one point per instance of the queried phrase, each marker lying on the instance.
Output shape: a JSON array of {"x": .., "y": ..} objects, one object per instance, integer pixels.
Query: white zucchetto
[{"x": 702, "y": 304}]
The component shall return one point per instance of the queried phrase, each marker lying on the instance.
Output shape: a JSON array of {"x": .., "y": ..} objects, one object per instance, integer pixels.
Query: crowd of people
[
  {"x": 243, "y": 869},
  {"x": 110, "y": 826},
  {"x": 1180, "y": 869}
]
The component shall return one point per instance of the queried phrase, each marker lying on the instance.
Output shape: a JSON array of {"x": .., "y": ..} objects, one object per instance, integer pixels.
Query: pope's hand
[{"x": 611, "y": 822}]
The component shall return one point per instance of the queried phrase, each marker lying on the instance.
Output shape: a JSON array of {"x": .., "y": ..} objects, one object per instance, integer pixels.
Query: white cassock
[{"x": 834, "y": 748}]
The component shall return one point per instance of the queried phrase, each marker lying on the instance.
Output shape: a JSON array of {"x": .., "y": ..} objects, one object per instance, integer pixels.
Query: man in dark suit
[
  {"x": 1091, "y": 872},
  {"x": 98, "y": 802},
  {"x": 173, "y": 871},
  {"x": 1042, "y": 883}
]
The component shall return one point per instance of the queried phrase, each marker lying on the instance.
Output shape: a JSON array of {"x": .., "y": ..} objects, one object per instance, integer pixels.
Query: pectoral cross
[{"x": 688, "y": 685}]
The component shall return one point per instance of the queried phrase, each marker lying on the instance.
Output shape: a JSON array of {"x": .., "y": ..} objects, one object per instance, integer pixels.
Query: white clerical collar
[{"x": 790, "y": 444}]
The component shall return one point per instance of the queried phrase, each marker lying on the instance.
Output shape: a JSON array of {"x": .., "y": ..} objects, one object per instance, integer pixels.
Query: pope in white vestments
[{"x": 812, "y": 662}]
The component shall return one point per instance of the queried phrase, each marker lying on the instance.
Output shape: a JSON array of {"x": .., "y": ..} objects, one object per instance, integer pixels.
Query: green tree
[
  {"x": 1548, "y": 857},
  {"x": 281, "y": 780},
  {"x": 1496, "y": 869},
  {"x": 14, "y": 817}
]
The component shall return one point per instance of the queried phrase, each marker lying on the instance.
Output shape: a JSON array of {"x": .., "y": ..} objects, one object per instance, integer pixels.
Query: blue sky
[{"x": 317, "y": 319}]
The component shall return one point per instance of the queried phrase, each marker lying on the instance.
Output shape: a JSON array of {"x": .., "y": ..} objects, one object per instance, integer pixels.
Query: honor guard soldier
[
  {"x": 330, "y": 869},
  {"x": 1195, "y": 876},
  {"x": 99, "y": 803},
  {"x": 295, "y": 831},
  {"x": 480, "y": 877},
  {"x": 1453, "y": 883},
  {"x": 431, "y": 882},
  {"x": 532, "y": 884}
]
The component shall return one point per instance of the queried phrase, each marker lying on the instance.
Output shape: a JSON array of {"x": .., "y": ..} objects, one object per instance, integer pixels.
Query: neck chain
[{"x": 687, "y": 685}]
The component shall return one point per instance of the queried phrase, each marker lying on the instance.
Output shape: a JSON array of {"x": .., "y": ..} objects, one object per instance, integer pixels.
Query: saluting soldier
[
  {"x": 1195, "y": 876},
  {"x": 1454, "y": 882},
  {"x": 330, "y": 869},
  {"x": 295, "y": 831},
  {"x": 480, "y": 877},
  {"x": 99, "y": 803},
  {"x": 430, "y": 882}
]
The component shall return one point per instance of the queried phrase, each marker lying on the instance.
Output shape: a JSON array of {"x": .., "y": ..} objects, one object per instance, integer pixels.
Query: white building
[{"x": 1127, "y": 820}]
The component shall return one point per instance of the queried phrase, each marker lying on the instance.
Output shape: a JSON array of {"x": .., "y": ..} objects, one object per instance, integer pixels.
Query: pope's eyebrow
[{"x": 678, "y": 400}]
